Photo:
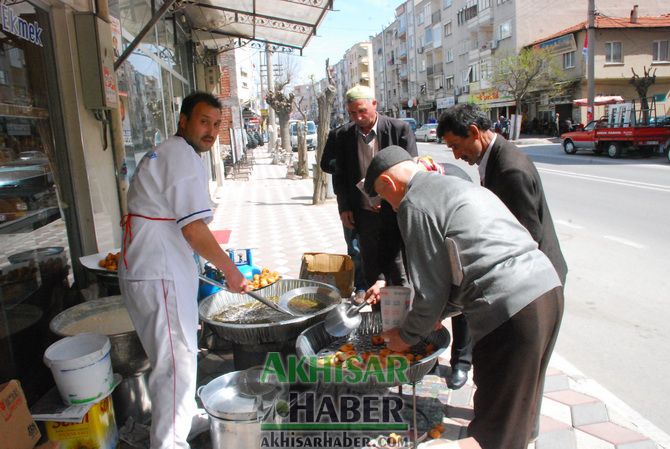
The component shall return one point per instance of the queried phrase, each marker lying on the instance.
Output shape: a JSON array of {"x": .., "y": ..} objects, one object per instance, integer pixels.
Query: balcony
[
  {"x": 365, "y": 76},
  {"x": 402, "y": 73},
  {"x": 429, "y": 70},
  {"x": 436, "y": 18},
  {"x": 402, "y": 53},
  {"x": 438, "y": 69},
  {"x": 363, "y": 60}
]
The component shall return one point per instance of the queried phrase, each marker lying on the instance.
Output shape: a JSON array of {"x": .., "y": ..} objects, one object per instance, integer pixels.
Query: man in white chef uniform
[{"x": 168, "y": 211}]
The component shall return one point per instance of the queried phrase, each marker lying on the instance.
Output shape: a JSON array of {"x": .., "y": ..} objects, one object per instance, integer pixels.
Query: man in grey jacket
[{"x": 467, "y": 253}]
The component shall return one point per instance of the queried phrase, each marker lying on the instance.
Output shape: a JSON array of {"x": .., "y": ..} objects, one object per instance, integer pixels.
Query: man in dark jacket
[
  {"x": 507, "y": 172},
  {"x": 347, "y": 155}
]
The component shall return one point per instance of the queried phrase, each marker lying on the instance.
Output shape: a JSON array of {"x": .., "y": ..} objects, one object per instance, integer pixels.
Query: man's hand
[
  {"x": 347, "y": 218},
  {"x": 373, "y": 295},
  {"x": 394, "y": 342},
  {"x": 235, "y": 281}
]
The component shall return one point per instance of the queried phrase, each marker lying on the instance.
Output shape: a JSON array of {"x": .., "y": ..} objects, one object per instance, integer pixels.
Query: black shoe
[{"x": 457, "y": 379}]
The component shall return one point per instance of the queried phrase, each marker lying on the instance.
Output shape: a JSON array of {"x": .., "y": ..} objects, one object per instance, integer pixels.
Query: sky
[{"x": 352, "y": 21}]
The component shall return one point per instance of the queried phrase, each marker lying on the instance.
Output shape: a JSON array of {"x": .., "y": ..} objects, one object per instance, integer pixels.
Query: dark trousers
[
  {"x": 354, "y": 251},
  {"x": 509, "y": 368},
  {"x": 372, "y": 241},
  {"x": 461, "y": 345}
]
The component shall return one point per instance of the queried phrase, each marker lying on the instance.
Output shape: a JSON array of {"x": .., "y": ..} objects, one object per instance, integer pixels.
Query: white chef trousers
[{"x": 152, "y": 305}]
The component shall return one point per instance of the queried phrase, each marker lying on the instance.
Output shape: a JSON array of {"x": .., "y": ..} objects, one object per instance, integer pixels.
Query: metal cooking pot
[
  {"x": 128, "y": 356},
  {"x": 235, "y": 410}
]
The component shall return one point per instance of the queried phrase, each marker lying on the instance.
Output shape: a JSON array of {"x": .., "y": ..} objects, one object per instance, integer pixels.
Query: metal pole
[
  {"x": 591, "y": 36},
  {"x": 272, "y": 135},
  {"x": 133, "y": 45}
]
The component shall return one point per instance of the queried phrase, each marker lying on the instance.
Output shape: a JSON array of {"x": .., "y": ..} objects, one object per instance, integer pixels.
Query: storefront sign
[
  {"x": 443, "y": 103},
  {"x": 13, "y": 24},
  {"x": 560, "y": 44},
  {"x": 487, "y": 95}
]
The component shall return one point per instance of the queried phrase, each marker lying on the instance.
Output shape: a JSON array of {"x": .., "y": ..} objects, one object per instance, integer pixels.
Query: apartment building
[
  {"x": 442, "y": 52},
  {"x": 621, "y": 45}
]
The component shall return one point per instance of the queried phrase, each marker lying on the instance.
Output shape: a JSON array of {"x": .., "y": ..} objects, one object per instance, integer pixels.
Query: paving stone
[
  {"x": 461, "y": 396},
  {"x": 646, "y": 444},
  {"x": 587, "y": 441},
  {"x": 548, "y": 424},
  {"x": 591, "y": 413},
  {"x": 556, "y": 410},
  {"x": 558, "y": 439},
  {"x": 556, "y": 383},
  {"x": 570, "y": 397},
  {"x": 613, "y": 433}
]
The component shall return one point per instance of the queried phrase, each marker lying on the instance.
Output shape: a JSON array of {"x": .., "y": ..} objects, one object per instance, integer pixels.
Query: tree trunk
[
  {"x": 284, "y": 118},
  {"x": 325, "y": 102}
]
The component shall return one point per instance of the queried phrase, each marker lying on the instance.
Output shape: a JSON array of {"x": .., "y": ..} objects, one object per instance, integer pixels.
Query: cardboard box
[
  {"x": 17, "y": 427},
  {"x": 97, "y": 429},
  {"x": 333, "y": 269}
]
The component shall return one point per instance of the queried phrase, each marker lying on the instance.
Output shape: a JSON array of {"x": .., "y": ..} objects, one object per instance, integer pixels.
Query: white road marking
[
  {"x": 623, "y": 241},
  {"x": 568, "y": 224},
  {"x": 604, "y": 179}
]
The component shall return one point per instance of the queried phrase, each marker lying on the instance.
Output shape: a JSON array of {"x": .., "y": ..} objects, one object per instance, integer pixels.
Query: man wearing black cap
[{"x": 467, "y": 253}]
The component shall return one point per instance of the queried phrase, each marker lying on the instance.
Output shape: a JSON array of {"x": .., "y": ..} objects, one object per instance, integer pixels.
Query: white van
[{"x": 310, "y": 134}]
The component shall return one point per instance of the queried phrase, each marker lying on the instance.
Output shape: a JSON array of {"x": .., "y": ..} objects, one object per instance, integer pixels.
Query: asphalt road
[{"x": 613, "y": 222}]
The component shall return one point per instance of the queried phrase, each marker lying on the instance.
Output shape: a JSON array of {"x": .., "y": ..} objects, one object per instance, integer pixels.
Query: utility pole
[
  {"x": 272, "y": 134},
  {"x": 590, "y": 64}
]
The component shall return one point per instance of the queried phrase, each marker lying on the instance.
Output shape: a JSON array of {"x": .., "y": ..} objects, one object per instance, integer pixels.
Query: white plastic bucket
[
  {"x": 81, "y": 367},
  {"x": 395, "y": 303}
]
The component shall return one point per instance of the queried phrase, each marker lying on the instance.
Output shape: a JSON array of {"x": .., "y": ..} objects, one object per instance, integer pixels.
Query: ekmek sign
[{"x": 13, "y": 24}]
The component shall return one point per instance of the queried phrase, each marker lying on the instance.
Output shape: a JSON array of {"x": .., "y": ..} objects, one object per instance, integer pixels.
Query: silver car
[{"x": 427, "y": 132}]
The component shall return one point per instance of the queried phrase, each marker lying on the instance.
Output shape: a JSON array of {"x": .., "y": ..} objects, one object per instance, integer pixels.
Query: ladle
[
  {"x": 254, "y": 295},
  {"x": 344, "y": 319}
]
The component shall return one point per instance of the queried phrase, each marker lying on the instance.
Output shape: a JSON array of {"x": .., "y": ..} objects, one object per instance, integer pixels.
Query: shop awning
[
  {"x": 285, "y": 23},
  {"x": 223, "y": 24},
  {"x": 599, "y": 101}
]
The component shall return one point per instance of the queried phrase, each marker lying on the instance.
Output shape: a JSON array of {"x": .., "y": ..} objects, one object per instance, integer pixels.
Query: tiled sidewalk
[{"x": 275, "y": 216}]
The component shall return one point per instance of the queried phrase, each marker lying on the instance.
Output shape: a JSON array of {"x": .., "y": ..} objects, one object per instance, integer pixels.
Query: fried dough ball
[
  {"x": 347, "y": 347},
  {"x": 377, "y": 340},
  {"x": 434, "y": 433}
]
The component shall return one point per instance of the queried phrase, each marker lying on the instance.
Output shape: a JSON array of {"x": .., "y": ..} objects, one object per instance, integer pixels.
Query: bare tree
[
  {"x": 301, "y": 129},
  {"x": 279, "y": 101},
  {"x": 642, "y": 85},
  {"x": 325, "y": 102}
]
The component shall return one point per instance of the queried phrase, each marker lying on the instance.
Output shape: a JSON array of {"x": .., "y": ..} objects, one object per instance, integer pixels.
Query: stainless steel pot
[
  {"x": 236, "y": 407},
  {"x": 128, "y": 356}
]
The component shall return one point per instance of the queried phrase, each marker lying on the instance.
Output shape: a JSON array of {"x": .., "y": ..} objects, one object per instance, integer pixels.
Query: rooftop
[{"x": 603, "y": 22}]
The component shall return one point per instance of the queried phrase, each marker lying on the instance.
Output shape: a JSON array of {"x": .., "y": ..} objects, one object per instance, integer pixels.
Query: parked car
[
  {"x": 310, "y": 134},
  {"x": 427, "y": 132},
  {"x": 411, "y": 122}
]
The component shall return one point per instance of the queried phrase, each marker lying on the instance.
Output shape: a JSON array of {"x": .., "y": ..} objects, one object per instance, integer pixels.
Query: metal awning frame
[{"x": 168, "y": 4}]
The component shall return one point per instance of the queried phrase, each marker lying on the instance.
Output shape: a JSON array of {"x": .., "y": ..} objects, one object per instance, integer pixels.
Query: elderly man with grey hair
[
  {"x": 347, "y": 155},
  {"x": 467, "y": 253}
]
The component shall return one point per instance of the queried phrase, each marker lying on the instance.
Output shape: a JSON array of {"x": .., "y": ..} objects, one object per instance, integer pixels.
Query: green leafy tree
[{"x": 531, "y": 70}]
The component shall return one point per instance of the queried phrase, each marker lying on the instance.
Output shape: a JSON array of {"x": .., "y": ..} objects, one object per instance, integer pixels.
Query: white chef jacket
[{"x": 168, "y": 191}]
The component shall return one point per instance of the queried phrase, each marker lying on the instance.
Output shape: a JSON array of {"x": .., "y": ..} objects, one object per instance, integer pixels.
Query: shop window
[{"x": 152, "y": 81}]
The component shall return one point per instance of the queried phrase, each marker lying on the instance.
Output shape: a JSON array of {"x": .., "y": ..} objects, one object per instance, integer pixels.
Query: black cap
[{"x": 385, "y": 159}]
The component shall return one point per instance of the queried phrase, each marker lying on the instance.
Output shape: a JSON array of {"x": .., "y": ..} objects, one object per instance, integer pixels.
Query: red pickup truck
[{"x": 597, "y": 136}]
